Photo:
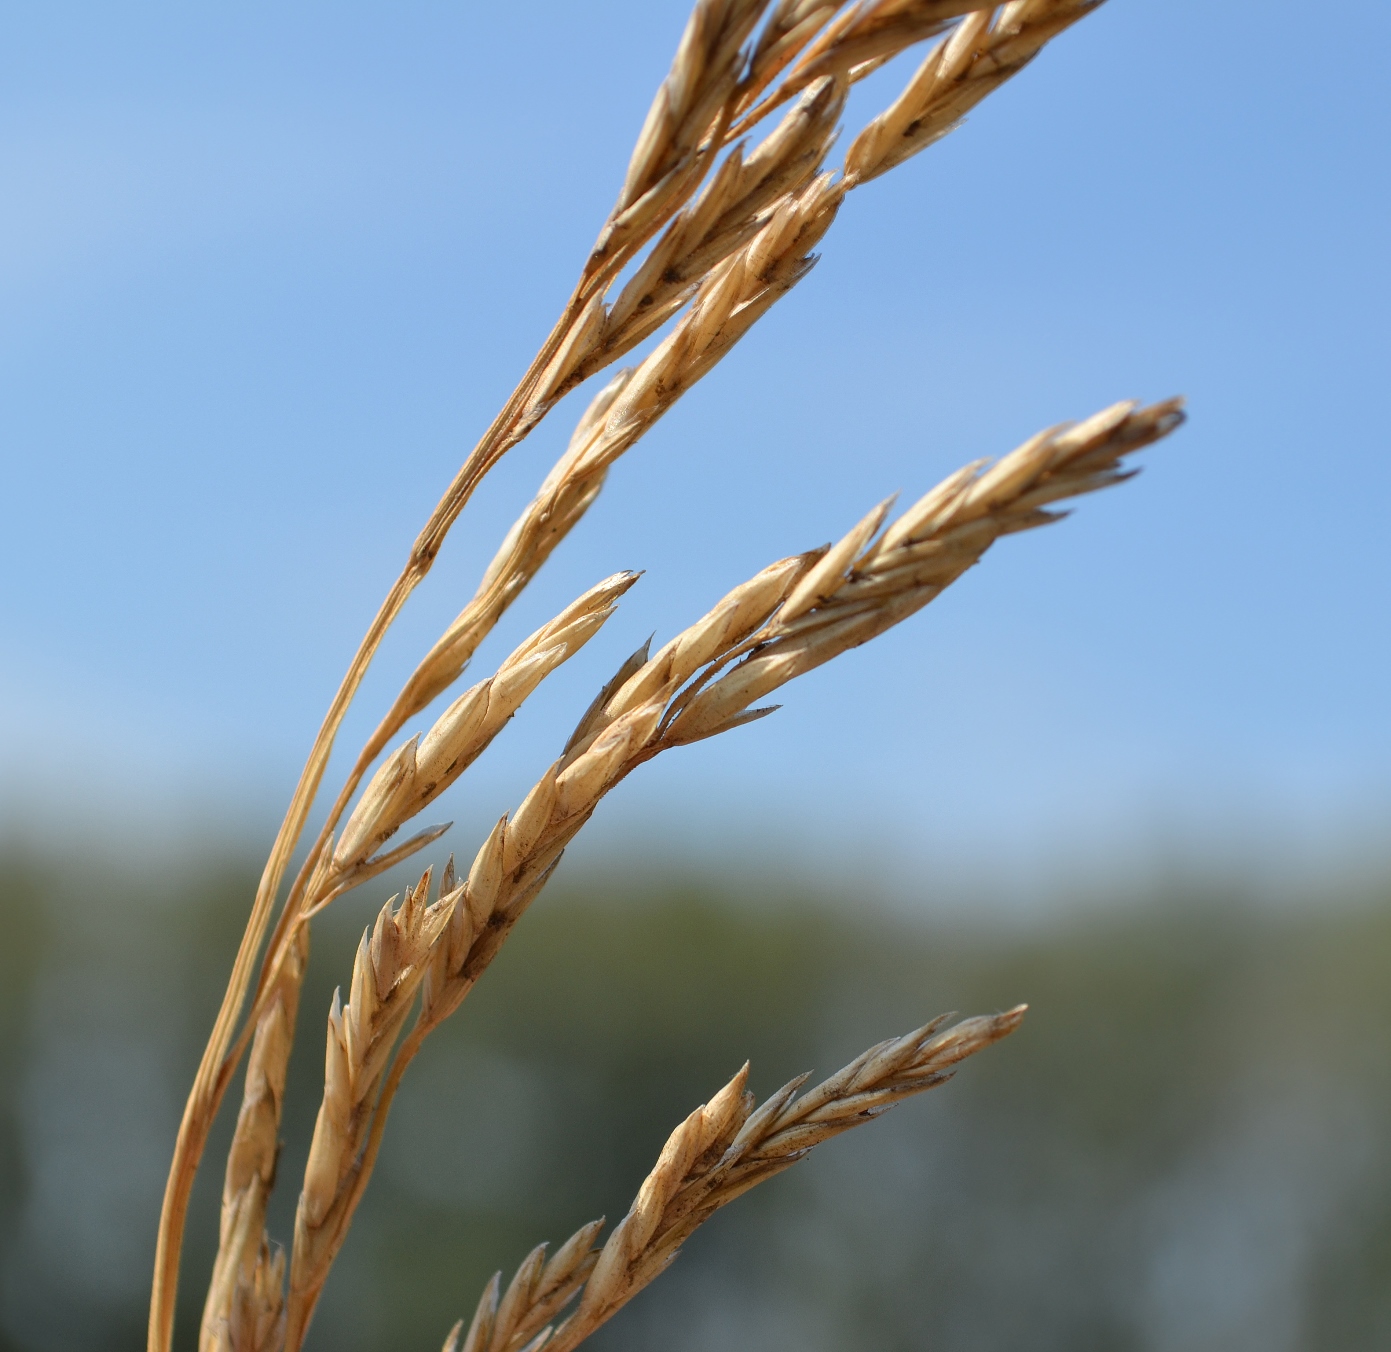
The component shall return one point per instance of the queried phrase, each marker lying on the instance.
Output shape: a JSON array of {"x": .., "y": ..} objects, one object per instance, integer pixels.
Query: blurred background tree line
[{"x": 1187, "y": 1146}]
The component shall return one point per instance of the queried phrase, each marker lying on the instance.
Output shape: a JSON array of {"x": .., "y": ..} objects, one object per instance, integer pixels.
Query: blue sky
[{"x": 266, "y": 273}]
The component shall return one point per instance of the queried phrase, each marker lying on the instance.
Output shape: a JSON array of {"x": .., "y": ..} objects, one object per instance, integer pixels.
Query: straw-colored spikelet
[
  {"x": 671, "y": 155},
  {"x": 957, "y": 74},
  {"x": 734, "y": 205},
  {"x": 540, "y": 1290},
  {"x": 800, "y": 45},
  {"x": 789, "y": 27},
  {"x": 387, "y": 971},
  {"x": 723, "y": 1149},
  {"x": 256, "y": 1320},
  {"x": 420, "y": 770},
  {"x": 864, "y": 585},
  {"x": 729, "y": 303}
]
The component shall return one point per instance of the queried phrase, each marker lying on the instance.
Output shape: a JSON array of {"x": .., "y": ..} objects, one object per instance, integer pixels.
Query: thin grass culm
[{"x": 730, "y": 188}]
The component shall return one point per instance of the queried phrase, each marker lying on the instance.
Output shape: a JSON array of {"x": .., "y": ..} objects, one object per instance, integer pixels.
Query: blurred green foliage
[{"x": 1187, "y": 1146}]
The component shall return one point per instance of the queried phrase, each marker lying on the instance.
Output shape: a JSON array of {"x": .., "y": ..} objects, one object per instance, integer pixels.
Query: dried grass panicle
[
  {"x": 726, "y": 253},
  {"x": 718, "y": 1153},
  {"x": 387, "y": 971},
  {"x": 791, "y": 617}
]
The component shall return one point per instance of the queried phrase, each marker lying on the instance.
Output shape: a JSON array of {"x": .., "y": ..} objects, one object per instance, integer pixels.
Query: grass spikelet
[
  {"x": 731, "y": 209},
  {"x": 691, "y": 102},
  {"x": 539, "y": 1291},
  {"x": 256, "y": 1321},
  {"x": 728, "y": 1146},
  {"x": 391, "y": 962},
  {"x": 859, "y": 41},
  {"x": 237, "y": 1311},
  {"x": 961, "y": 70},
  {"x": 420, "y": 770},
  {"x": 862, "y": 588}
]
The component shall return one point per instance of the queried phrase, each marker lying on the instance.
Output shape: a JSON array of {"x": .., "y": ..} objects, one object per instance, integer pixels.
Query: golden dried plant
[{"x": 728, "y": 227}]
